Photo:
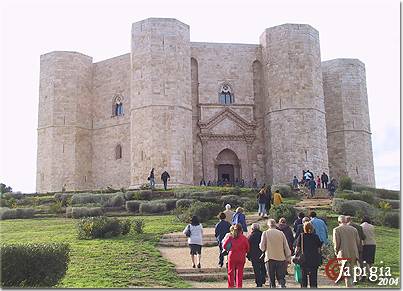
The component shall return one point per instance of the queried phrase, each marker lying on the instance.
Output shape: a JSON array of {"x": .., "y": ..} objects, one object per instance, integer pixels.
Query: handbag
[
  {"x": 297, "y": 273},
  {"x": 300, "y": 258},
  {"x": 188, "y": 232}
]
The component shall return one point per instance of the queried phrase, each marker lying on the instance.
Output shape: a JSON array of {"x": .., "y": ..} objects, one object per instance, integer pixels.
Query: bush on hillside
[
  {"x": 357, "y": 208},
  {"x": 185, "y": 203},
  {"x": 101, "y": 227},
  {"x": 152, "y": 207},
  {"x": 250, "y": 205},
  {"x": 283, "y": 210},
  {"x": 16, "y": 213},
  {"x": 78, "y": 212},
  {"x": 14, "y": 195},
  {"x": 138, "y": 225},
  {"x": 233, "y": 200},
  {"x": 363, "y": 196},
  {"x": 115, "y": 201},
  {"x": 345, "y": 183},
  {"x": 64, "y": 198},
  {"x": 392, "y": 219},
  {"x": 336, "y": 204},
  {"x": 203, "y": 210},
  {"x": 388, "y": 194},
  {"x": 394, "y": 204},
  {"x": 285, "y": 190},
  {"x": 142, "y": 195},
  {"x": 133, "y": 206},
  {"x": 33, "y": 265}
]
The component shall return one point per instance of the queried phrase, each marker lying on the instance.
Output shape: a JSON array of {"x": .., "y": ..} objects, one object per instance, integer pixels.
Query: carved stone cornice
[
  {"x": 230, "y": 114},
  {"x": 246, "y": 137}
]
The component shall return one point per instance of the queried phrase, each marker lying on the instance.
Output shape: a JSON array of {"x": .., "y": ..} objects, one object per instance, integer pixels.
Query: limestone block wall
[
  {"x": 111, "y": 78},
  {"x": 161, "y": 103},
  {"x": 294, "y": 109},
  {"x": 347, "y": 119},
  {"x": 64, "y": 123}
]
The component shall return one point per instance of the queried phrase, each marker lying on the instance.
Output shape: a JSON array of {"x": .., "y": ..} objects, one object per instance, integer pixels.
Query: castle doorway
[{"x": 228, "y": 167}]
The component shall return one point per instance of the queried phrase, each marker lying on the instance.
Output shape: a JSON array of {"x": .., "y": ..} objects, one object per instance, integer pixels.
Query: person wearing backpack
[{"x": 194, "y": 232}]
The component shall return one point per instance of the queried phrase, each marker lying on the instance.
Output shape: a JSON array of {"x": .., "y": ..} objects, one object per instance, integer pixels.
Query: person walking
[
  {"x": 317, "y": 182},
  {"x": 277, "y": 253},
  {"x": 369, "y": 244},
  {"x": 262, "y": 200},
  {"x": 295, "y": 183},
  {"x": 151, "y": 178},
  {"x": 269, "y": 198},
  {"x": 325, "y": 179},
  {"x": 202, "y": 182},
  {"x": 284, "y": 228},
  {"x": 346, "y": 243},
  {"x": 221, "y": 229},
  {"x": 255, "y": 255},
  {"x": 308, "y": 244},
  {"x": 238, "y": 246},
  {"x": 194, "y": 232},
  {"x": 298, "y": 221},
  {"x": 277, "y": 198},
  {"x": 228, "y": 213},
  {"x": 361, "y": 234},
  {"x": 332, "y": 188},
  {"x": 254, "y": 184},
  {"x": 320, "y": 227},
  {"x": 312, "y": 187},
  {"x": 165, "y": 177},
  {"x": 239, "y": 218},
  {"x": 300, "y": 228}
]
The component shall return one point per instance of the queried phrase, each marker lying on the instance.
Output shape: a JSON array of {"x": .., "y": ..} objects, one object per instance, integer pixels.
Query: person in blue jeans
[
  {"x": 262, "y": 201},
  {"x": 240, "y": 218},
  {"x": 221, "y": 229},
  {"x": 312, "y": 187}
]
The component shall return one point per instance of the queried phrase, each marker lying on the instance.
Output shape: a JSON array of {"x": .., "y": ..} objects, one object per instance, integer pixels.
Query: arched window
[
  {"x": 117, "y": 106},
  {"x": 226, "y": 95},
  {"x": 118, "y": 152}
]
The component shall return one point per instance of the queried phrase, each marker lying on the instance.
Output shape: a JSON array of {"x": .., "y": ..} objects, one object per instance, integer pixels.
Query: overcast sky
[{"x": 367, "y": 30}]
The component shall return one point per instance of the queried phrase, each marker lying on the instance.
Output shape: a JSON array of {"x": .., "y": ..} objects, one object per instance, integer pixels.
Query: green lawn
[{"x": 131, "y": 260}]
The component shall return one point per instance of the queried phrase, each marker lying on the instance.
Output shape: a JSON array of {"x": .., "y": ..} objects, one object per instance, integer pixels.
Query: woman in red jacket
[{"x": 237, "y": 246}]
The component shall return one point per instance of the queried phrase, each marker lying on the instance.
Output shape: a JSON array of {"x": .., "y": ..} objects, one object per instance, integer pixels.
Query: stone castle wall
[{"x": 285, "y": 117}]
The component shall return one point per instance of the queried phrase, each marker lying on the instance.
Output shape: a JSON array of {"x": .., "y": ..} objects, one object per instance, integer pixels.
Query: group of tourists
[
  {"x": 164, "y": 177},
  {"x": 265, "y": 199},
  {"x": 271, "y": 251},
  {"x": 312, "y": 184}
]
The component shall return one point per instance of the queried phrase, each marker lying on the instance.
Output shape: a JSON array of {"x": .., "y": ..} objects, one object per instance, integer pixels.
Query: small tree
[
  {"x": 4, "y": 188},
  {"x": 345, "y": 183}
]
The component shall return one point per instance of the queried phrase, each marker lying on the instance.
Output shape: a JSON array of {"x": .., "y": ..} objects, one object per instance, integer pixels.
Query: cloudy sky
[{"x": 367, "y": 30}]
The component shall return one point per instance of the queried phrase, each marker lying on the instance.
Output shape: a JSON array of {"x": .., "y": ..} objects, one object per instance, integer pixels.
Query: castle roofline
[
  {"x": 224, "y": 43},
  {"x": 65, "y": 52},
  {"x": 343, "y": 61},
  {"x": 161, "y": 19}
]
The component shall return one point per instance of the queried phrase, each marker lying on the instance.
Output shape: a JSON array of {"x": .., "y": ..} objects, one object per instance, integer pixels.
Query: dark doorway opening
[{"x": 226, "y": 173}]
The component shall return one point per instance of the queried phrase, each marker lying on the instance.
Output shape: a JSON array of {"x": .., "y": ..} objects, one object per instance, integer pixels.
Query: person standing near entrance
[
  {"x": 325, "y": 179},
  {"x": 151, "y": 178},
  {"x": 262, "y": 201},
  {"x": 312, "y": 187},
  {"x": 165, "y": 177}
]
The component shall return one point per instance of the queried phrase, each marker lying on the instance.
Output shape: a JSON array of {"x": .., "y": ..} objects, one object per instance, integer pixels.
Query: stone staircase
[
  {"x": 180, "y": 240},
  {"x": 321, "y": 200},
  {"x": 210, "y": 274}
]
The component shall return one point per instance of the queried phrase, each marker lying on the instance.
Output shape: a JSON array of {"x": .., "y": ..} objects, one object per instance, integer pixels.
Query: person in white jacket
[{"x": 194, "y": 232}]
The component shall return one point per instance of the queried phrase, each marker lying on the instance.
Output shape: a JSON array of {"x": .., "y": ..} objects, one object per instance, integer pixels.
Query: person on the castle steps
[
  {"x": 295, "y": 183},
  {"x": 151, "y": 178},
  {"x": 318, "y": 182},
  {"x": 195, "y": 240},
  {"x": 262, "y": 200},
  {"x": 221, "y": 229},
  {"x": 312, "y": 187},
  {"x": 202, "y": 182},
  {"x": 165, "y": 177},
  {"x": 325, "y": 179},
  {"x": 255, "y": 255},
  {"x": 332, "y": 188}
]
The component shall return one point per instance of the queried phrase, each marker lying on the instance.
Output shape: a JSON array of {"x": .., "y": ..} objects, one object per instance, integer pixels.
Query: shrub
[
  {"x": 142, "y": 195},
  {"x": 103, "y": 199},
  {"x": 357, "y": 208},
  {"x": 115, "y": 201},
  {"x": 394, "y": 204},
  {"x": 78, "y": 212},
  {"x": 138, "y": 225},
  {"x": 233, "y": 200},
  {"x": 204, "y": 210},
  {"x": 33, "y": 265},
  {"x": 185, "y": 203},
  {"x": 336, "y": 204},
  {"x": 56, "y": 207},
  {"x": 16, "y": 213},
  {"x": 392, "y": 219},
  {"x": 133, "y": 206},
  {"x": 363, "y": 196},
  {"x": 388, "y": 194},
  {"x": 283, "y": 210},
  {"x": 101, "y": 227},
  {"x": 152, "y": 207},
  {"x": 64, "y": 198},
  {"x": 126, "y": 225},
  {"x": 284, "y": 189},
  {"x": 14, "y": 195},
  {"x": 129, "y": 195},
  {"x": 345, "y": 183},
  {"x": 251, "y": 205}
]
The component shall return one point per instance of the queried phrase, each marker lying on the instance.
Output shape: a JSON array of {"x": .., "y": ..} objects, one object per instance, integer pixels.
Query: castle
[{"x": 202, "y": 110}]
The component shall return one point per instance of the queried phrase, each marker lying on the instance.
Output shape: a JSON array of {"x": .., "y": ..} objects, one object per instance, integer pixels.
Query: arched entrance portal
[{"x": 228, "y": 167}]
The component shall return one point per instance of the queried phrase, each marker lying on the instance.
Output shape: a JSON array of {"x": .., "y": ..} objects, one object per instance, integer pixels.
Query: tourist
[
  {"x": 228, "y": 213},
  {"x": 221, "y": 229},
  {"x": 254, "y": 184},
  {"x": 346, "y": 243},
  {"x": 361, "y": 234},
  {"x": 312, "y": 187},
  {"x": 309, "y": 244},
  {"x": 307, "y": 176},
  {"x": 165, "y": 177},
  {"x": 203, "y": 182},
  {"x": 332, "y": 188},
  {"x": 284, "y": 228},
  {"x": 194, "y": 232},
  {"x": 277, "y": 198},
  {"x": 311, "y": 175},
  {"x": 262, "y": 201},
  {"x": 151, "y": 178},
  {"x": 317, "y": 182},
  {"x": 295, "y": 183},
  {"x": 320, "y": 227},
  {"x": 242, "y": 183},
  {"x": 277, "y": 253},
  {"x": 303, "y": 176},
  {"x": 298, "y": 221},
  {"x": 255, "y": 255},
  {"x": 325, "y": 179},
  {"x": 238, "y": 246},
  {"x": 300, "y": 228},
  {"x": 369, "y": 244},
  {"x": 239, "y": 218},
  {"x": 269, "y": 198}
]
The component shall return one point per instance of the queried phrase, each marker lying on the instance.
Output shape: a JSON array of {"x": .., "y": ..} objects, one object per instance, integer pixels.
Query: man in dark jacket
[
  {"x": 221, "y": 229},
  {"x": 325, "y": 179},
  {"x": 255, "y": 255},
  {"x": 165, "y": 177},
  {"x": 283, "y": 226},
  {"x": 298, "y": 221}
]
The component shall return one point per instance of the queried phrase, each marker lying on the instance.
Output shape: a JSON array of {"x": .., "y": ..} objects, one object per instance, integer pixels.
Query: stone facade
[{"x": 212, "y": 110}]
